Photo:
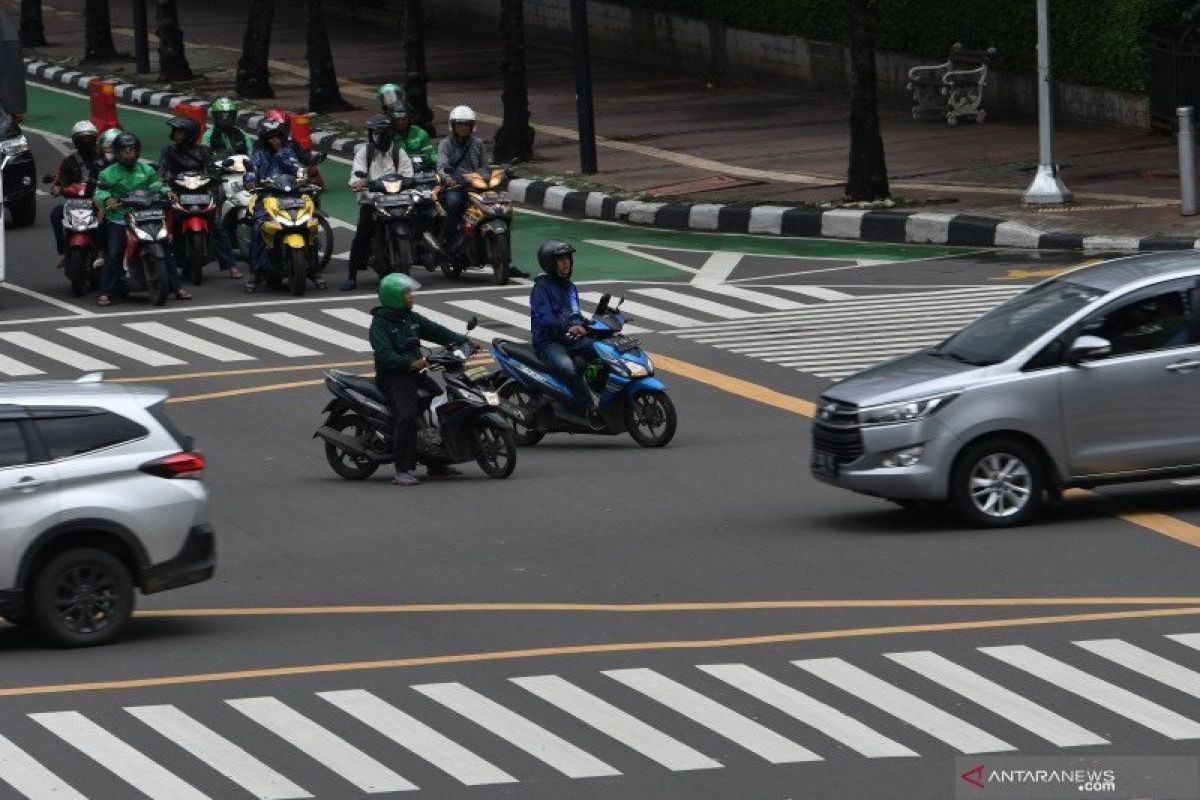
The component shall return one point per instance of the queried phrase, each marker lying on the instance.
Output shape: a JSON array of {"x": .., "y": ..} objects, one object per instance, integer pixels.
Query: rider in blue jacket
[
  {"x": 559, "y": 327},
  {"x": 272, "y": 156}
]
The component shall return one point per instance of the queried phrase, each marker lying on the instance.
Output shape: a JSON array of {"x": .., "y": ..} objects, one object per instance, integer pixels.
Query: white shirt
[{"x": 380, "y": 165}]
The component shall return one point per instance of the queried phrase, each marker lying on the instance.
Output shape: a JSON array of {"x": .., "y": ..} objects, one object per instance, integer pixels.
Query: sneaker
[
  {"x": 348, "y": 285},
  {"x": 442, "y": 471},
  {"x": 405, "y": 479}
]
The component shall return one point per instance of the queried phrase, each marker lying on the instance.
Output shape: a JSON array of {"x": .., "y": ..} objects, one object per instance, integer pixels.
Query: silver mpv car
[
  {"x": 98, "y": 495},
  {"x": 1089, "y": 378}
]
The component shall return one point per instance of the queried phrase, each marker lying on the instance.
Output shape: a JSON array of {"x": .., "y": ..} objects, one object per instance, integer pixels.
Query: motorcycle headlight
[
  {"x": 302, "y": 218},
  {"x": 14, "y": 146},
  {"x": 636, "y": 370},
  {"x": 908, "y": 411},
  {"x": 81, "y": 217},
  {"x": 143, "y": 234}
]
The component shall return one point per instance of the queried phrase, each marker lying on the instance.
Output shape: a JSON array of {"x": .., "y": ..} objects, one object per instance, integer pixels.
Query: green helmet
[
  {"x": 392, "y": 289},
  {"x": 224, "y": 112},
  {"x": 224, "y": 104},
  {"x": 391, "y": 97}
]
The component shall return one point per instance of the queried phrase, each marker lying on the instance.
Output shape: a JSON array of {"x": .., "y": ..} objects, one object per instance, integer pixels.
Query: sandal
[
  {"x": 235, "y": 273},
  {"x": 183, "y": 294},
  {"x": 319, "y": 282},
  {"x": 104, "y": 300}
]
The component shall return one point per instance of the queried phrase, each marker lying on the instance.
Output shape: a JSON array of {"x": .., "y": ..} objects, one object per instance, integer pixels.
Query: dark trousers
[
  {"x": 114, "y": 258},
  {"x": 401, "y": 392},
  {"x": 455, "y": 202},
  {"x": 560, "y": 358},
  {"x": 360, "y": 248}
]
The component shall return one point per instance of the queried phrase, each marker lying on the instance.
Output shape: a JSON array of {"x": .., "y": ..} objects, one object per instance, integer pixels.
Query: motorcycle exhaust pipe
[{"x": 344, "y": 442}]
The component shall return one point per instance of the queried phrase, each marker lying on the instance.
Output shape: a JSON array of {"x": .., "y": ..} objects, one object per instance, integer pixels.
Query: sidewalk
[{"x": 673, "y": 137}]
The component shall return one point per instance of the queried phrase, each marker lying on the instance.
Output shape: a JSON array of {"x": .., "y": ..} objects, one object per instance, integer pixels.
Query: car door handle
[
  {"x": 1183, "y": 366},
  {"x": 29, "y": 484}
]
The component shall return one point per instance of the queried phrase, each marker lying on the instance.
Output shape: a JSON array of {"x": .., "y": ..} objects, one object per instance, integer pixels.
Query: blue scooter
[{"x": 537, "y": 401}]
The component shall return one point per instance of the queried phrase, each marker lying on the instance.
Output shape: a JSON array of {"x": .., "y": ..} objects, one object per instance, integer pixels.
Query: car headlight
[
  {"x": 908, "y": 411},
  {"x": 15, "y": 145}
]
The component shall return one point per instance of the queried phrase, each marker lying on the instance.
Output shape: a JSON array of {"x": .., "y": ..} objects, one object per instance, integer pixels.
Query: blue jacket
[
  {"x": 265, "y": 163},
  {"x": 553, "y": 307}
]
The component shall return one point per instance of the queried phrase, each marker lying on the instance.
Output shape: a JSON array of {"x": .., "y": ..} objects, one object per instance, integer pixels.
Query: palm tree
[
  {"x": 98, "y": 41},
  {"x": 514, "y": 139},
  {"x": 867, "y": 177},
  {"x": 323, "y": 92},
  {"x": 33, "y": 34},
  {"x": 416, "y": 80},
  {"x": 253, "y": 76},
  {"x": 172, "y": 61}
]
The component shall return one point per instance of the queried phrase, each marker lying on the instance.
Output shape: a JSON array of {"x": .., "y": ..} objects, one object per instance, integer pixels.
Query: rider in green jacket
[{"x": 413, "y": 138}]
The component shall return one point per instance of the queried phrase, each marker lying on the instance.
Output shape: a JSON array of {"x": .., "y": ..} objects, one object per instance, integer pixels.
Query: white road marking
[
  {"x": 124, "y": 347},
  {"x": 642, "y": 311},
  {"x": 764, "y": 299},
  {"x": 57, "y": 352},
  {"x": 45, "y": 298},
  {"x": 694, "y": 303},
  {"x": 717, "y": 268},
  {"x": 20, "y": 771},
  {"x": 1144, "y": 662},
  {"x": 357, "y": 344},
  {"x": 493, "y": 311},
  {"x": 187, "y": 341},
  {"x": 10, "y": 366},
  {"x": 253, "y": 337},
  {"x": 818, "y": 292}
]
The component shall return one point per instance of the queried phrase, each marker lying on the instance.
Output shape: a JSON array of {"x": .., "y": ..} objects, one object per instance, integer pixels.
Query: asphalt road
[{"x": 610, "y": 621}]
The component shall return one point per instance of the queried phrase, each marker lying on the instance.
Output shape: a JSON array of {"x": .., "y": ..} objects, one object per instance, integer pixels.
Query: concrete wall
[{"x": 655, "y": 38}]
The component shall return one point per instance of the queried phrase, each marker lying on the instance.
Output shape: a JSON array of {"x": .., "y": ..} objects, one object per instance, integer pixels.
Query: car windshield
[{"x": 1005, "y": 331}]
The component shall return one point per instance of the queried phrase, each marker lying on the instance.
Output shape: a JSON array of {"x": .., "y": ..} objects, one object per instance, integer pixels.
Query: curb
[{"x": 897, "y": 227}]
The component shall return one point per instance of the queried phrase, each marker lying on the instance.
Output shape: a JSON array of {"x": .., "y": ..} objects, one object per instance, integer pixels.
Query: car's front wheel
[
  {"x": 81, "y": 598},
  {"x": 998, "y": 483}
]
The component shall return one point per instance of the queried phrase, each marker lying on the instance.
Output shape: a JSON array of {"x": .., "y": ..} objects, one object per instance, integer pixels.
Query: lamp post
[
  {"x": 141, "y": 36},
  {"x": 583, "y": 88},
  {"x": 1047, "y": 187}
]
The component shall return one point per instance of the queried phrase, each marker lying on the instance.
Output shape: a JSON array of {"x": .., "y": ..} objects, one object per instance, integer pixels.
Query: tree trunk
[
  {"x": 867, "y": 177},
  {"x": 98, "y": 44},
  {"x": 172, "y": 61},
  {"x": 415, "y": 79},
  {"x": 323, "y": 92},
  {"x": 253, "y": 76},
  {"x": 33, "y": 34},
  {"x": 514, "y": 139}
]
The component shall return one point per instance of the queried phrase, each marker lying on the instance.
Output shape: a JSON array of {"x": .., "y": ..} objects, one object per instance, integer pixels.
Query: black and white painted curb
[{"x": 917, "y": 227}]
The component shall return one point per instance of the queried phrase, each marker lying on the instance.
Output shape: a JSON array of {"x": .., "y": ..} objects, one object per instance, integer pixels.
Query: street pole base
[{"x": 1047, "y": 188}]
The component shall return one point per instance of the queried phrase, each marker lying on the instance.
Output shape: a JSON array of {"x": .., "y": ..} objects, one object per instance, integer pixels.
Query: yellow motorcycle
[
  {"x": 486, "y": 226},
  {"x": 291, "y": 230}
]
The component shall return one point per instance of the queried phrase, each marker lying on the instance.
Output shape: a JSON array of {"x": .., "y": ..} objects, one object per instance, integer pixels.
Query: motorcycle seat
[
  {"x": 522, "y": 352},
  {"x": 364, "y": 385}
]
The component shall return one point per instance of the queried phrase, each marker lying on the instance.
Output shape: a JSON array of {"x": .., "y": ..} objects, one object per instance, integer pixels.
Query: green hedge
[{"x": 1093, "y": 42}]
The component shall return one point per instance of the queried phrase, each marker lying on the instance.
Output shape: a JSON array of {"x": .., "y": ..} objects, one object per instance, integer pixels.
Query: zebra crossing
[
  {"x": 843, "y": 336},
  {"x": 365, "y": 743},
  {"x": 822, "y": 330}
]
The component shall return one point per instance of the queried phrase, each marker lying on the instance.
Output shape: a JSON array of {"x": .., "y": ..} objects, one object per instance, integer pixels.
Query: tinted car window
[
  {"x": 12, "y": 444},
  {"x": 69, "y": 434},
  {"x": 159, "y": 412},
  {"x": 1157, "y": 322}
]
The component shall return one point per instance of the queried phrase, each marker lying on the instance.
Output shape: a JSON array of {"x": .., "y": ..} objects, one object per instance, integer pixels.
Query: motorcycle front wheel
[
  {"x": 495, "y": 449},
  {"x": 344, "y": 464},
  {"x": 650, "y": 418},
  {"x": 79, "y": 264},
  {"x": 297, "y": 270},
  {"x": 196, "y": 248},
  {"x": 499, "y": 255},
  {"x": 520, "y": 402},
  {"x": 403, "y": 255},
  {"x": 158, "y": 284}
]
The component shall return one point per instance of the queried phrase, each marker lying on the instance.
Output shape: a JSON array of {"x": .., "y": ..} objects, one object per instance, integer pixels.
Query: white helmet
[
  {"x": 462, "y": 114},
  {"x": 84, "y": 128}
]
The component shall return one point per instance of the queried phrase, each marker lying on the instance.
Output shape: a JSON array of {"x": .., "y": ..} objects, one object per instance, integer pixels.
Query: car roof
[
  {"x": 74, "y": 393},
  {"x": 1119, "y": 272}
]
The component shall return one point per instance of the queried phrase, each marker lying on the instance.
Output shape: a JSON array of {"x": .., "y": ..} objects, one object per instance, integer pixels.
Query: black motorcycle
[
  {"x": 392, "y": 208},
  {"x": 19, "y": 173},
  {"x": 460, "y": 424}
]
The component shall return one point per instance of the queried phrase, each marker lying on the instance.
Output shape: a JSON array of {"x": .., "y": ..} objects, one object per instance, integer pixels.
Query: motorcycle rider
[
  {"x": 271, "y": 156},
  {"x": 106, "y": 145},
  {"x": 224, "y": 136},
  {"x": 461, "y": 151},
  {"x": 185, "y": 154},
  {"x": 558, "y": 326},
  {"x": 82, "y": 166},
  {"x": 413, "y": 138},
  {"x": 395, "y": 335},
  {"x": 127, "y": 175},
  {"x": 381, "y": 155}
]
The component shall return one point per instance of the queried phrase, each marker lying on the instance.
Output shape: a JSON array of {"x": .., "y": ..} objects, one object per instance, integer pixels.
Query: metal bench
[{"x": 953, "y": 89}]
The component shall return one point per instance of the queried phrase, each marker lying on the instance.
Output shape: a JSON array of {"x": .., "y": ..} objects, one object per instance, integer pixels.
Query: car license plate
[
  {"x": 824, "y": 464},
  {"x": 195, "y": 199}
]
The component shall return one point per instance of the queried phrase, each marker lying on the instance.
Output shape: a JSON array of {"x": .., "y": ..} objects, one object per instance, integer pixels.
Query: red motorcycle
[
  {"x": 146, "y": 241},
  {"x": 81, "y": 225},
  {"x": 189, "y": 222}
]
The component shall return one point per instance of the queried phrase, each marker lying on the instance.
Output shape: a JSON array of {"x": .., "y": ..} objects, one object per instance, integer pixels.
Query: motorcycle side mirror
[
  {"x": 318, "y": 157},
  {"x": 620, "y": 300},
  {"x": 473, "y": 322},
  {"x": 602, "y": 306}
]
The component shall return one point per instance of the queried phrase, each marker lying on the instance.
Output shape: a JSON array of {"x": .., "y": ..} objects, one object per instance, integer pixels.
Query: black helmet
[
  {"x": 380, "y": 131},
  {"x": 549, "y": 252},
  {"x": 124, "y": 142},
  {"x": 189, "y": 126},
  {"x": 273, "y": 124}
]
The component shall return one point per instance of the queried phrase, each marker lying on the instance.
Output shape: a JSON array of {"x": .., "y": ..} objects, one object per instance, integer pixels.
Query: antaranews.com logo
[{"x": 1067, "y": 777}]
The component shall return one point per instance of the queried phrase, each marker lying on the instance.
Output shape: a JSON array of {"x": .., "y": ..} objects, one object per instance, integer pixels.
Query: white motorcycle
[{"x": 235, "y": 204}]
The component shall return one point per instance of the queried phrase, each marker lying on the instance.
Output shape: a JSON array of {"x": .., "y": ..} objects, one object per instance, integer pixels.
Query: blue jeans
[
  {"x": 455, "y": 202},
  {"x": 558, "y": 357},
  {"x": 258, "y": 251}
]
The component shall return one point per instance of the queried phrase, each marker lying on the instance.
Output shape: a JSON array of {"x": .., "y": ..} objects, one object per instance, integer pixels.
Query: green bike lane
[{"x": 606, "y": 251}]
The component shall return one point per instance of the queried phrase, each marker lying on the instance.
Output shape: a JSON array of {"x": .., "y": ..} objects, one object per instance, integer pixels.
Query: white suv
[{"x": 98, "y": 494}]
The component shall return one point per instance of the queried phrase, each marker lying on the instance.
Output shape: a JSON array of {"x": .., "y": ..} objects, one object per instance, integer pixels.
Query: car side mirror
[
  {"x": 1088, "y": 348},
  {"x": 473, "y": 322}
]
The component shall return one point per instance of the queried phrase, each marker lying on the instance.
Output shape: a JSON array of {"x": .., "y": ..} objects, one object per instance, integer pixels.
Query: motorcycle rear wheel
[
  {"x": 324, "y": 241},
  {"x": 495, "y": 450},
  {"x": 650, "y": 418},
  {"x": 297, "y": 271},
  {"x": 79, "y": 264},
  {"x": 344, "y": 464},
  {"x": 451, "y": 270},
  {"x": 516, "y": 396}
]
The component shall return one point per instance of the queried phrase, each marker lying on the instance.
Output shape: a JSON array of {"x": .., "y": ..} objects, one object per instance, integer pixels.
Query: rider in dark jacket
[
  {"x": 558, "y": 325},
  {"x": 83, "y": 166},
  {"x": 186, "y": 154}
]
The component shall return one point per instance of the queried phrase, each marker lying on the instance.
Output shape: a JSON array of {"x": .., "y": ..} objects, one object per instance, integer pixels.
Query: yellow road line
[
  {"x": 641, "y": 608},
  {"x": 229, "y": 373},
  {"x": 728, "y": 383},
  {"x": 274, "y": 387},
  {"x": 587, "y": 649}
]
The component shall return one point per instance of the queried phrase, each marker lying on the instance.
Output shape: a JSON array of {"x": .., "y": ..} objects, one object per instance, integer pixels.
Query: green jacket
[
  {"x": 418, "y": 143},
  {"x": 395, "y": 336},
  {"x": 122, "y": 180},
  {"x": 246, "y": 140}
]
